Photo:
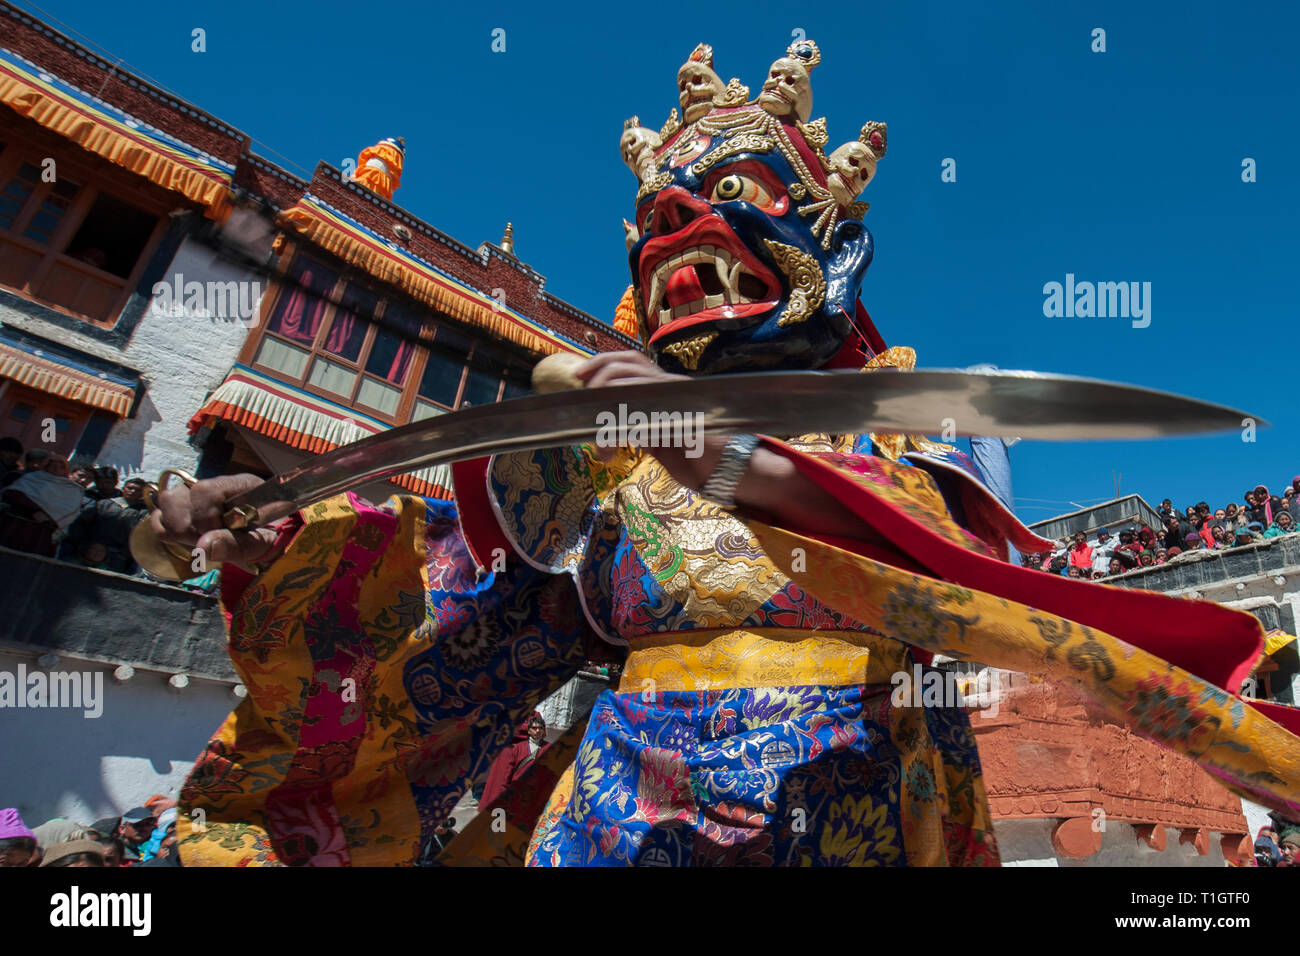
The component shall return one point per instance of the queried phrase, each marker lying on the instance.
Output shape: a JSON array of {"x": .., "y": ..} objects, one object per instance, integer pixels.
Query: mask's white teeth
[
  {"x": 729, "y": 280},
  {"x": 713, "y": 301},
  {"x": 656, "y": 290},
  {"x": 665, "y": 316}
]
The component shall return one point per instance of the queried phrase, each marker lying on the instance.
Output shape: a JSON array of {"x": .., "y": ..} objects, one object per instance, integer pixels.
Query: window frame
[
  {"x": 424, "y": 341},
  {"x": 18, "y": 147}
]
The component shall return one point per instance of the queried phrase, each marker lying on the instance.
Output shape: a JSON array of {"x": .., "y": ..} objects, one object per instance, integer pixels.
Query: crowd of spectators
[
  {"x": 1260, "y": 517},
  {"x": 74, "y": 512},
  {"x": 143, "y": 836},
  {"x": 1274, "y": 850}
]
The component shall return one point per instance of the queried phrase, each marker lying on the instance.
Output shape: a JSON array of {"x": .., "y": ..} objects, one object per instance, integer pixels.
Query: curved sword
[{"x": 1017, "y": 404}]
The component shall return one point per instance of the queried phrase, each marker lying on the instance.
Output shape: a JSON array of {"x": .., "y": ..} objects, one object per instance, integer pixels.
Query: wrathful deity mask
[{"x": 748, "y": 250}]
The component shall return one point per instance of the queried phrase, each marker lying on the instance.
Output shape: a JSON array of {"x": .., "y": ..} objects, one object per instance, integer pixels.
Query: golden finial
[{"x": 508, "y": 240}]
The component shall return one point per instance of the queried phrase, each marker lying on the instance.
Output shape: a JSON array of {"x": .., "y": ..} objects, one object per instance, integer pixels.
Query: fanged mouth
[{"x": 693, "y": 277}]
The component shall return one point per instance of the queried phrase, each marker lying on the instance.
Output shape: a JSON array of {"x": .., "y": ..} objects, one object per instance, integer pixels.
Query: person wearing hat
[
  {"x": 58, "y": 830},
  {"x": 107, "y": 826},
  {"x": 1192, "y": 542},
  {"x": 134, "y": 831},
  {"x": 1282, "y": 524},
  {"x": 1128, "y": 548},
  {"x": 165, "y": 827},
  {"x": 1290, "y": 848},
  {"x": 1102, "y": 551},
  {"x": 83, "y": 852},
  {"x": 18, "y": 845}
]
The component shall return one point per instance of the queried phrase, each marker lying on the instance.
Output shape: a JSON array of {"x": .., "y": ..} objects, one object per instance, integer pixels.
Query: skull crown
[{"x": 786, "y": 95}]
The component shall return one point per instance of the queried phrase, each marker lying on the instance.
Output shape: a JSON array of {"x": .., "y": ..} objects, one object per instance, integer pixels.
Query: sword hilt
[{"x": 167, "y": 560}]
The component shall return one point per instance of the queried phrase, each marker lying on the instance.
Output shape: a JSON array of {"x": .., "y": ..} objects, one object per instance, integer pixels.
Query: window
[
  {"x": 390, "y": 358},
  {"x": 483, "y": 387},
  {"x": 25, "y": 414},
  {"x": 16, "y": 192},
  {"x": 71, "y": 238},
  {"x": 112, "y": 236}
]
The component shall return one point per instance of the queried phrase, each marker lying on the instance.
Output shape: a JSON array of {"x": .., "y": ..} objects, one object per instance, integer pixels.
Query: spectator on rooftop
[
  {"x": 1283, "y": 525},
  {"x": 1074, "y": 571},
  {"x": 1261, "y": 506},
  {"x": 1219, "y": 536},
  {"x": 1102, "y": 551},
  {"x": 1172, "y": 553},
  {"x": 1116, "y": 566},
  {"x": 1162, "y": 555},
  {"x": 1173, "y": 531},
  {"x": 1248, "y": 535},
  {"x": 1146, "y": 537},
  {"x": 1193, "y": 542},
  {"x": 1294, "y": 506},
  {"x": 1166, "y": 507},
  {"x": 1080, "y": 553},
  {"x": 1058, "y": 564},
  {"x": 1233, "y": 519},
  {"x": 1129, "y": 548},
  {"x": 1147, "y": 559}
]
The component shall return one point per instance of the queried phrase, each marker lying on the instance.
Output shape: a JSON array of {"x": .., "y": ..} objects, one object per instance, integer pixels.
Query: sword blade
[{"x": 1010, "y": 404}]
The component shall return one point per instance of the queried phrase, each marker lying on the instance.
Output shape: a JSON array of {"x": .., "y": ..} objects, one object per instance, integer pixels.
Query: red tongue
[{"x": 684, "y": 287}]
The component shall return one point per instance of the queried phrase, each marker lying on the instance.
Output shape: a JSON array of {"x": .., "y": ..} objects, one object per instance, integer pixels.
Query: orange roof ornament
[{"x": 379, "y": 167}]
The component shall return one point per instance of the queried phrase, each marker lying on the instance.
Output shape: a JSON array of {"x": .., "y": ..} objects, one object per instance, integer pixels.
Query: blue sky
[{"x": 1117, "y": 166}]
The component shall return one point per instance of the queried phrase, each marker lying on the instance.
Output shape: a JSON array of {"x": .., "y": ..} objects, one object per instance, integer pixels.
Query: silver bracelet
[{"x": 721, "y": 486}]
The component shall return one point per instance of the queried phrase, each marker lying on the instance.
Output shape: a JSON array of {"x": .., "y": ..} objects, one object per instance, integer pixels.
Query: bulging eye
[{"x": 733, "y": 188}]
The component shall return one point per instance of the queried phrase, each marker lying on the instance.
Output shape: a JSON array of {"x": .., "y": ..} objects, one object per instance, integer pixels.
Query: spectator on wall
[
  {"x": 1175, "y": 531},
  {"x": 1080, "y": 553},
  {"x": 1283, "y": 524},
  {"x": 82, "y": 852},
  {"x": 1250, "y": 534},
  {"x": 40, "y": 504},
  {"x": 1261, "y": 506},
  {"x": 101, "y": 535},
  {"x": 1233, "y": 519},
  {"x": 1102, "y": 551},
  {"x": 18, "y": 845},
  {"x": 134, "y": 831}
]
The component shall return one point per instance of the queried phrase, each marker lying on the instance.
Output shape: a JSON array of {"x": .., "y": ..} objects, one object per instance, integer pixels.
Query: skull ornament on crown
[{"x": 748, "y": 250}]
